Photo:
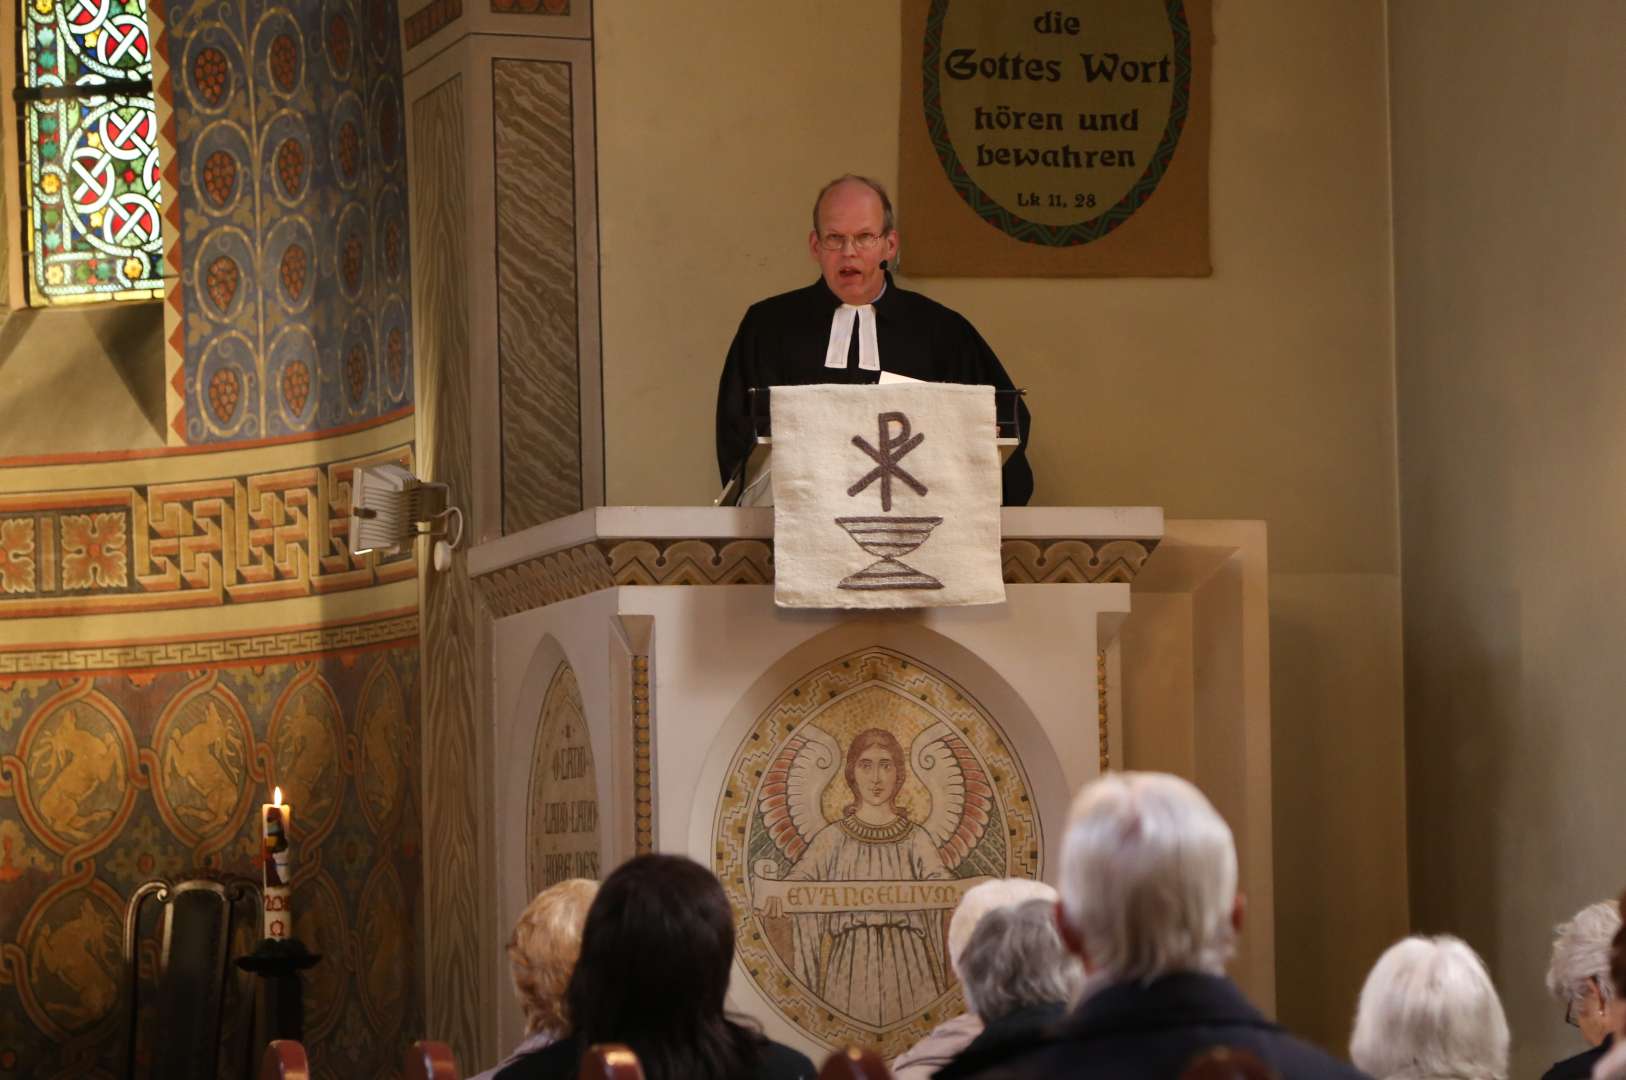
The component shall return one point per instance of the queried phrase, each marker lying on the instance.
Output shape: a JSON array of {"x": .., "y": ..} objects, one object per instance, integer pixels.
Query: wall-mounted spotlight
[{"x": 388, "y": 503}]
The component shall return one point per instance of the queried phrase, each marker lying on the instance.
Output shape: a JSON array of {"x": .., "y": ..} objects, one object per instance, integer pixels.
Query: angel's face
[{"x": 877, "y": 775}]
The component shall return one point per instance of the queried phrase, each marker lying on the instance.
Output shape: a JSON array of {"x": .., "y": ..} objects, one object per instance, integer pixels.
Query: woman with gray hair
[
  {"x": 922, "y": 1060},
  {"x": 1578, "y": 978},
  {"x": 1612, "y": 1065},
  {"x": 1428, "y": 1010},
  {"x": 1019, "y": 977}
]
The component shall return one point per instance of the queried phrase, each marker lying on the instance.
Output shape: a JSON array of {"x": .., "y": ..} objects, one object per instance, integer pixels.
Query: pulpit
[{"x": 847, "y": 774}]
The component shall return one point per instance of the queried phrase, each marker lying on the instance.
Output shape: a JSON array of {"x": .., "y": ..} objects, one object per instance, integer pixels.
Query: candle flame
[{"x": 276, "y": 796}]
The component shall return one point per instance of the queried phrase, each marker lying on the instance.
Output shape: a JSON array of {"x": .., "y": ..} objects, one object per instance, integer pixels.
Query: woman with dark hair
[{"x": 653, "y": 971}]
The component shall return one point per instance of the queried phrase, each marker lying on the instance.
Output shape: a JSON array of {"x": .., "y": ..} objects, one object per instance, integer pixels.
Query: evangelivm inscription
[
  {"x": 562, "y": 837},
  {"x": 861, "y": 806},
  {"x": 1055, "y": 123}
]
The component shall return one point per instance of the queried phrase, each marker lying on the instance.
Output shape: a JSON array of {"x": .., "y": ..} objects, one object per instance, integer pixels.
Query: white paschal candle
[{"x": 276, "y": 850}]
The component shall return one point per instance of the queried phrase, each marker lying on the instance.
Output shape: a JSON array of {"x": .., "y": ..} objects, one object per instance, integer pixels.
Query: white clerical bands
[{"x": 848, "y": 316}]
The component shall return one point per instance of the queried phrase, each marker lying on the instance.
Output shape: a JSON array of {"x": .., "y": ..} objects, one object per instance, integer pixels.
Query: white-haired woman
[
  {"x": 542, "y": 954},
  {"x": 947, "y": 1039},
  {"x": 1428, "y": 1010},
  {"x": 1612, "y": 1065},
  {"x": 1019, "y": 978},
  {"x": 1578, "y": 978}
]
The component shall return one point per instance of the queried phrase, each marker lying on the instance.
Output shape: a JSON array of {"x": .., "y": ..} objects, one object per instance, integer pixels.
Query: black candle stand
[{"x": 282, "y": 1006}]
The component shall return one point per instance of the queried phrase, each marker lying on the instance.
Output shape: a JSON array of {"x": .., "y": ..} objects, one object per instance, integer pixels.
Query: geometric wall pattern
[
  {"x": 200, "y": 542},
  {"x": 109, "y": 779},
  {"x": 290, "y": 161}
]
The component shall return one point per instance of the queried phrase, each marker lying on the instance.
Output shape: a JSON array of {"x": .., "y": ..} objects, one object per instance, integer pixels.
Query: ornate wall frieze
[
  {"x": 238, "y": 648},
  {"x": 1073, "y": 561},
  {"x": 691, "y": 562},
  {"x": 196, "y": 543},
  {"x": 430, "y": 19},
  {"x": 546, "y": 580},
  {"x": 531, "y": 7},
  {"x": 604, "y": 564}
]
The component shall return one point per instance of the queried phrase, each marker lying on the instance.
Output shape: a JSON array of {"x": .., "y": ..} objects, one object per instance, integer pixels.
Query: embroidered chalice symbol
[{"x": 889, "y": 538}]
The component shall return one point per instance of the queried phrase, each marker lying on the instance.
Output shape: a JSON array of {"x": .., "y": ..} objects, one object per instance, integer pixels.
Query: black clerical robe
[{"x": 782, "y": 341}]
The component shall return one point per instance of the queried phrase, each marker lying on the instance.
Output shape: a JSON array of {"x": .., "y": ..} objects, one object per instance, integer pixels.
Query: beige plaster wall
[
  {"x": 1265, "y": 391},
  {"x": 1509, "y": 153}
]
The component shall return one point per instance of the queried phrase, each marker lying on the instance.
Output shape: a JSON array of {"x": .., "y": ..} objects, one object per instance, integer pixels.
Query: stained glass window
[{"x": 93, "y": 222}]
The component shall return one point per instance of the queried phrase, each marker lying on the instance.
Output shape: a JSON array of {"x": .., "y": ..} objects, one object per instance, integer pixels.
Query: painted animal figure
[
  {"x": 81, "y": 952},
  {"x": 73, "y": 764},
  {"x": 207, "y": 761}
]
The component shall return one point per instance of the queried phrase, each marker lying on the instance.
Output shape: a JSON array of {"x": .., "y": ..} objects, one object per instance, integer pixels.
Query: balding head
[
  {"x": 852, "y": 236},
  {"x": 855, "y": 185}
]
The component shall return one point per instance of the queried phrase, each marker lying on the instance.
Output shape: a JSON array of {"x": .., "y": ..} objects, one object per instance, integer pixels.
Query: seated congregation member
[
  {"x": 1149, "y": 904},
  {"x": 541, "y": 955},
  {"x": 1578, "y": 976},
  {"x": 922, "y": 1060},
  {"x": 1612, "y": 1066},
  {"x": 654, "y": 965},
  {"x": 1428, "y": 1011},
  {"x": 1019, "y": 978}
]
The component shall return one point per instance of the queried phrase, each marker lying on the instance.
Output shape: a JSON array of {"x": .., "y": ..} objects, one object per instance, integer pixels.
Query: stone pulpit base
[{"x": 847, "y": 775}]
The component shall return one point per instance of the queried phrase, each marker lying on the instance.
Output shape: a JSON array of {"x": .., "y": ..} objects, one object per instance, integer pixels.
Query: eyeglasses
[
  {"x": 1569, "y": 1009},
  {"x": 836, "y": 242}
]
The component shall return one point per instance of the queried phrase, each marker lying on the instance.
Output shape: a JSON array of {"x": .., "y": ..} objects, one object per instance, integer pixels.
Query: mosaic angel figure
[{"x": 877, "y": 966}]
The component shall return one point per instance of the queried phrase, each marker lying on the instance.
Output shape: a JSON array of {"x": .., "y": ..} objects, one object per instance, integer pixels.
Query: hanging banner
[{"x": 1054, "y": 138}]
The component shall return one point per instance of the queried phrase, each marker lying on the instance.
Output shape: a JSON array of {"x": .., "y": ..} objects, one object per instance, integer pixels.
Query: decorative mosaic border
[
  {"x": 430, "y": 20},
  {"x": 1101, "y": 710},
  {"x": 195, "y": 543},
  {"x": 531, "y": 7},
  {"x": 238, "y": 648},
  {"x": 605, "y": 564},
  {"x": 174, "y": 286},
  {"x": 643, "y": 791},
  {"x": 1073, "y": 562}
]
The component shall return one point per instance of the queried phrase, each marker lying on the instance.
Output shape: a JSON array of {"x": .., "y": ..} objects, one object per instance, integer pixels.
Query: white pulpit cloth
[{"x": 885, "y": 496}]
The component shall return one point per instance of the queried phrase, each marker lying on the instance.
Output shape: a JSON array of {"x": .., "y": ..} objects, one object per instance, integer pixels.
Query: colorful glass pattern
[{"x": 93, "y": 171}]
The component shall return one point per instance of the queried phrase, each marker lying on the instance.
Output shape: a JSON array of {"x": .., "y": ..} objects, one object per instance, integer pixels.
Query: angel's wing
[
  {"x": 962, "y": 797},
  {"x": 793, "y": 786}
]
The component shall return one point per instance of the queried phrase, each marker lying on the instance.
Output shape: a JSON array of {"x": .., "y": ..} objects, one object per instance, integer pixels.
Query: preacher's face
[
  {"x": 850, "y": 216},
  {"x": 876, "y": 774}
]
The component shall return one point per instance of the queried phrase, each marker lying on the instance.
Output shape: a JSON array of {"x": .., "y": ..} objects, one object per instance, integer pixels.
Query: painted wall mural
[
  {"x": 859, "y": 808},
  {"x": 291, "y": 164},
  {"x": 110, "y": 779},
  {"x": 180, "y": 631}
]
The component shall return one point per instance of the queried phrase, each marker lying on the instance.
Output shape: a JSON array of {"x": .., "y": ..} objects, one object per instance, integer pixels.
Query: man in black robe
[{"x": 852, "y": 324}]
